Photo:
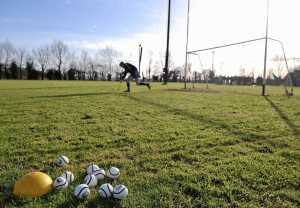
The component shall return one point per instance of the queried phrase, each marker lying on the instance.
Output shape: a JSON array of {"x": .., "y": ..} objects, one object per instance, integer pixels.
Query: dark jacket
[{"x": 131, "y": 69}]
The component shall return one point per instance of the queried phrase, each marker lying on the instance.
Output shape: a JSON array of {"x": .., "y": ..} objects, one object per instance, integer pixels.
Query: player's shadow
[
  {"x": 33, "y": 88},
  {"x": 84, "y": 94},
  {"x": 244, "y": 136},
  {"x": 284, "y": 117},
  {"x": 78, "y": 95}
]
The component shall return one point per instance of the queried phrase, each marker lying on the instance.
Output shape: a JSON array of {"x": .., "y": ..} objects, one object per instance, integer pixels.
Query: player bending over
[{"x": 133, "y": 74}]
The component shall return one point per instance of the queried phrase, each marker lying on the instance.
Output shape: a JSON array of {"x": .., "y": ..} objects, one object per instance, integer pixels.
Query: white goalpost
[{"x": 266, "y": 38}]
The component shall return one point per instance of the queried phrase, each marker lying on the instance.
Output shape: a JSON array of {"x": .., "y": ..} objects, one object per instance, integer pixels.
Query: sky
[{"x": 124, "y": 24}]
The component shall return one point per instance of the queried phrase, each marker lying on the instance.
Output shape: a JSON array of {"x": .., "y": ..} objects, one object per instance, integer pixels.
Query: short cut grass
[{"x": 225, "y": 146}]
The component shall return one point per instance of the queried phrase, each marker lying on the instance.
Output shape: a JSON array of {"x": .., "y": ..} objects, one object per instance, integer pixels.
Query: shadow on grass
[
  {"x": 79, "y": 95},
  {"x": 284, "y": 117},
  {"x": 210, "y": 91},
  {"x": 34, "y": 88},
  {"x": 195, "y": 90},
  {"x": 244, "y": 136},
  {"x": 88, "y": 94}
]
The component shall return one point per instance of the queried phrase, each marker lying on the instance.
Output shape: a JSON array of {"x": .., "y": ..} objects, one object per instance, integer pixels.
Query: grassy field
[{"x": 221, "y": 147}]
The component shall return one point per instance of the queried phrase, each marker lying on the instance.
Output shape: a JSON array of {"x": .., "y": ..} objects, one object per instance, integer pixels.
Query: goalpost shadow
[
  {"x": 295, "y": 129},
  {"x": 230, "y": 130}
]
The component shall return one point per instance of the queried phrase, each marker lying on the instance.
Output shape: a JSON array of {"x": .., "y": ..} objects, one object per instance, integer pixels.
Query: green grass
[{"x": 221, "y": 147}]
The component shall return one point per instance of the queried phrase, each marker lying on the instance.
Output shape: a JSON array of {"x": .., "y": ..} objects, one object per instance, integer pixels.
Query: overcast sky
[{"x": 124, "y": 24}]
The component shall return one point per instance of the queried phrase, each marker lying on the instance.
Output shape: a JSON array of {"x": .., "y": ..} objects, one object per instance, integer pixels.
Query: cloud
[
  {"x": 127, "y": 46},
  {"x": 87, "y": 44},
  {"x": 211, "y": 25}
]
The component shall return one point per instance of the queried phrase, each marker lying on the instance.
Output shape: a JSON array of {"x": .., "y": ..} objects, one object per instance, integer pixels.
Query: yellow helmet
[{"x": 33, "y": 184}]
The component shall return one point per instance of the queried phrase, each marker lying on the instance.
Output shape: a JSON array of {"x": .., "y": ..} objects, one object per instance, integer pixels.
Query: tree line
[{"x": 57, "y": 61}]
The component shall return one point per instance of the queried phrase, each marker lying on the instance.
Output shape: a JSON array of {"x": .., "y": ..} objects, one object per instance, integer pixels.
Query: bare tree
[
  {"x": 1, "y": 59},
  {"x": 189, "y": 74},
  {"x": 42, "y": 56},
  {"x": 21, "y": 53},
  {"x": 73, "y": 63},
  {"x": 59, "y": 52},
  {"x": 92, "y": 65},
  {"x": 252, "y": 73},
  {"x": 242, "y": 71},
  {"x": 150, "y": 64},
  {"x": 109, "y": 56},
  {"x": 279, "y": 64},
  {"x": 162, "y": 60},
  {"x": 84, "y": 62},
  {"x": 205, "y": 75},
  {"x": 180, "y": 71},
  {"x": 8, "y": 53},
  {"x": 157, "y": 68},
  {"x": 170, "y": 62},
  {"x": 270, "y": 73},
  {"x": 73, "y": 60}
]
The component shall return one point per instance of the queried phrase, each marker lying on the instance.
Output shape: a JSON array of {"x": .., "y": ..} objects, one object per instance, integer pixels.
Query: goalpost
[
  {"x": 195, "y": 52},
  {"x": 291, "y": 93},
  {"x": 266, "y": 38}
]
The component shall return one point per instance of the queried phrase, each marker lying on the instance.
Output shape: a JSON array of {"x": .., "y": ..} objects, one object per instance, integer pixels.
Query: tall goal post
[
  {"x": 266, "y": 52},
  {"x": 166, "y": 68},
  {"x": 286, "y": 62},
  {"x": 195, "y": 52},
  {"x": 187, "y": 43},
  {"x": 266, "y": 38}
]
